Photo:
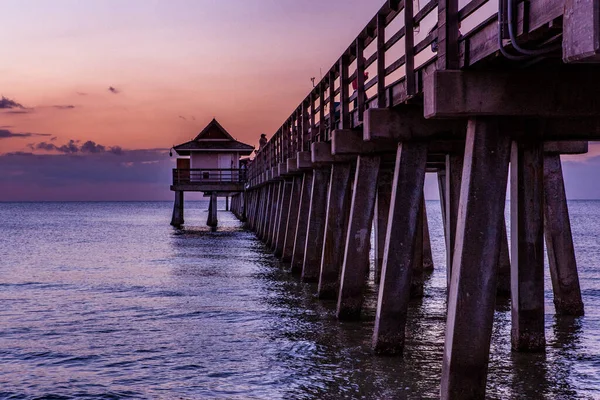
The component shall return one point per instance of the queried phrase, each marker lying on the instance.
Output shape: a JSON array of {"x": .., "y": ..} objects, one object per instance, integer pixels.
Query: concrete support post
[
  {"x": 275, "y": 199},
  {"x": 427, "y": 255},
  {"x": 265, "y": 212},
  {"x": 212, "y": 211},
  {"x": 503, "y": 288},
  {"x": 177, "y": 218},
  {"x": 284, "y": 212},
  {"x": 396, "y": 278},
  {"x": 292, "y": 219},
  {"x": 355, "y": 269},
  {"x": 313, "y": 249},
  {"x": 382, "y": 211},
  {"x": 472, "y": 295},
  {"x": 559, "y": 241},
  {"x": 336, "y": 224},
  {"x": 527, "y": 245},
  {"x": 302, "y": 224},
  {"x": 226, "y": 203},
  {"x": 454, "y": 167},
  {"x": 417, "y": 281},
  {"x": 441, "y": 175}
]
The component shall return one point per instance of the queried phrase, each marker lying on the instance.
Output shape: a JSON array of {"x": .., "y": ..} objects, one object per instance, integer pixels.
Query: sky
[{"x": 94, "y": 93}]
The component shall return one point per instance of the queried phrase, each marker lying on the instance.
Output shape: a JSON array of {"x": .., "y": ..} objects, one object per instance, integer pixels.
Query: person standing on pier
[{"x": 262, "y": 141}]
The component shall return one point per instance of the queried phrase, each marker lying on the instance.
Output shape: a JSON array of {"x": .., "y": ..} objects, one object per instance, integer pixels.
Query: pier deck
[{"x": 462, "y": 92}]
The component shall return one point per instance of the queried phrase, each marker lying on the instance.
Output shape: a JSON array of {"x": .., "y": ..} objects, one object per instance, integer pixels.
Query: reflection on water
[{"x": 107, "y": 300}]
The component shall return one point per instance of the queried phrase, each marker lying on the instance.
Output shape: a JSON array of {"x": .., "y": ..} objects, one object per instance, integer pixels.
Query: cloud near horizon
[
  {"x": 6, "y": 133},
  {"x": 73, "y": 147}
]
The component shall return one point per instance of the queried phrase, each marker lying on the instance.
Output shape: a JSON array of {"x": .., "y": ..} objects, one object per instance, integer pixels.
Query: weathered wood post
[
  {"x": 472, "y": 295},
  {"x": 286, "y": 193},
  {"x": 527, "y": 244},
  {"x": 273, "y": 213},
  {"x": 396, "y": 275},
  {"x": 212, "y": 211},
  {"x": 226, "y": 203},
  {"x": 336, "y": 223},
  {"x": 177, "y": 218},
  {"x": 292, "y": 219},
  {"x": 427, "y": 254},
  {"x": 382, "y": 211},
  {"x": 559, "y": 241},
  {"x": 316, "y": 225},
  {"x": 355, "y": 267},
  {"x": 302, "y": 224}
]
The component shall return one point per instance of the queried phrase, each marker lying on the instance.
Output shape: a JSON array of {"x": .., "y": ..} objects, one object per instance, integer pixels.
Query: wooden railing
[
  {"x": 396, "y": 47},
  {"x": 208, "y": 175}
]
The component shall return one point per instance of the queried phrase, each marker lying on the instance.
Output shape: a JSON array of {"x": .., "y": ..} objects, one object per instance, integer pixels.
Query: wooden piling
[
  {"x": 292, "y": 219},
  {"x": 559, "y": 241},
  {"x": 527, "y": 245},
  {"x": 316, "y": 225},
  {"x": 427, "y": 254},
  {"x": 336, "y": 224},
  {"x": 212, "y": 211},
  {"x": 284, "y": 212},
  {"x": 302, "y": 224},
  {"x": 472, "y": 297},
  {"x": 382, "y": 211},
  {"x": 355, "y": 267},
  {"x": 177, "y": 218},
  {"x": 396, "y": 277}
]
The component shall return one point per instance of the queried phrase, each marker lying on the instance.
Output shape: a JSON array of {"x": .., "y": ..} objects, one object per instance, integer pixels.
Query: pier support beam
[
  {"x": 527, "y": 245},
  {"x": 472, "y": 295},
  {"x": 292, "y": 219},
  {"x": 454, "y": 167},
  {"x": 302, "y": 224},
  {"x": 275, "y": 200},
  {"x": 212, "y": 211},
  {"x": 355, "y": 269},
  {"x": 382, "y": 211},
  {"x": 336, "y": 225},
  {"x": 316, "y": 225},
  {"x": 427, "y": 254},
  {"x": 284, "y": 205},
  {"x": 396, "y": 278},
  {"x": 177, "y": 218},
  {"x": 559, "y": 241}
]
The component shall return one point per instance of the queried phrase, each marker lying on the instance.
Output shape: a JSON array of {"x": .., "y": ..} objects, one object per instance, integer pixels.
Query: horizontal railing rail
[{"x": 208, "y": 175}]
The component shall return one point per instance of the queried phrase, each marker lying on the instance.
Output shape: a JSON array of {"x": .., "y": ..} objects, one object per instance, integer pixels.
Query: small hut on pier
[{"x": 209, "y": 163}]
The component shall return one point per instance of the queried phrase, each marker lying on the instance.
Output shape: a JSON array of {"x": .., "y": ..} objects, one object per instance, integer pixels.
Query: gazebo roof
[{"x": 213, "y": 138}]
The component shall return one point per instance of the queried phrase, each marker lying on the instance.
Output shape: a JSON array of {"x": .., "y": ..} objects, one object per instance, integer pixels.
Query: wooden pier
[{"x": 458, "y": 92}]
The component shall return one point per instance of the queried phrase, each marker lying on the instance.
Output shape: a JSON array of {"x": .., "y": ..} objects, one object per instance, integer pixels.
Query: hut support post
[
  {"x": 212, "y": 211},
  {"x": 177, "y": 218}
]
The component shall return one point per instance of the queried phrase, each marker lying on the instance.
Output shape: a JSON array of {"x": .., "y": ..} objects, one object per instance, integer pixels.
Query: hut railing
[{"x": 208, "y": 175}]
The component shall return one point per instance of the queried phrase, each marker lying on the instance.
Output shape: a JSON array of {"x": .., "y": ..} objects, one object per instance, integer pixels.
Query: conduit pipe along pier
[{"x": 462, "y": 93}]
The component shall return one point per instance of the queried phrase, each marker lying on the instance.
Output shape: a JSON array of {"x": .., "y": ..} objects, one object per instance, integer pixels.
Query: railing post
[
  {"x": 332, "y": 121},
  {"x": 344, "y": 103},
  {"x": 409, "y": 46},
  {"x": 360, "y": 78},
  {"x": 381, "y": 98},
  {"x": 447, "y": 57}
]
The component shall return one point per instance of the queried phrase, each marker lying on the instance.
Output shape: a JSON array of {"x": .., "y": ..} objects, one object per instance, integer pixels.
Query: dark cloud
[
  {"x": 72, "y": 147},
  {"x": 5, "y": 134},
  {"x": 66, "y": 107},
  {"x": 81, "y": 93},
  {"x": 183, "y": 118},
  {"x": 114, "y": 90},
  {"x": 6, "y": 103}
]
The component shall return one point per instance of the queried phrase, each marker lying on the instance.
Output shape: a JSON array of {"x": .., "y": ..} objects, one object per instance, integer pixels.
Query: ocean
[{"x": 108, "y": 301}]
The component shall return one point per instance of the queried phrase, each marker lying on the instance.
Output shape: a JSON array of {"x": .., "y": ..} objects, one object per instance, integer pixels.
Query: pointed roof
[
  {"x": 213, "y": 138},
  {"x": 214, "y": 130}
]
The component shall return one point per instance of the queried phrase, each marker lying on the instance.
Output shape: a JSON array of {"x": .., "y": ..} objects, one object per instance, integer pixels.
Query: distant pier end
[{"x": 210, "y": 163}]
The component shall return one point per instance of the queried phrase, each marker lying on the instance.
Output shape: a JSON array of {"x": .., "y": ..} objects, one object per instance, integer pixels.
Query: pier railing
[
  {"x": 208, "y": 175},
  {"x": 386, "y": 62}
]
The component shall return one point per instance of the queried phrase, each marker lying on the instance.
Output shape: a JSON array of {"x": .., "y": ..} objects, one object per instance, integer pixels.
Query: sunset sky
[{"x": 95, "y": 92}]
